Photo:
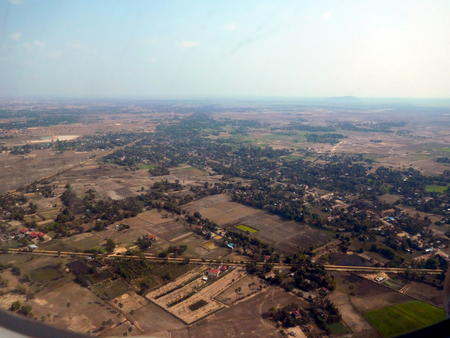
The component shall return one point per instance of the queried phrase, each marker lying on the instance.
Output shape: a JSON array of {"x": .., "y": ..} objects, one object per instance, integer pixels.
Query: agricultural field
[
  {"x": 287, "y": 236},
  {"x": 399, "y": 319},
  {"x": 34, "y": 166},
  {"x": 192, "y": 296},
  {"x": 244, "y": 313},
  {"x": 246, "y": 228},
  {"x": 245, "y": 287},
  {"x": 440, "y": 189},
  {"x": 260, "y": 186},
  {"x": 71, "y": 299}
]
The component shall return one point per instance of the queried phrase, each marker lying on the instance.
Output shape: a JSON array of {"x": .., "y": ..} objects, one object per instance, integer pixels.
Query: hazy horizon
[{"x": 240, "y": 50}]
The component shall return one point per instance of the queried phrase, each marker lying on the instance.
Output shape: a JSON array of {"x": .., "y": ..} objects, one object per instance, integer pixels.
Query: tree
[
  {"x": 144, "y": 242},
  {"x": 110, "y": 245},
  {"x": 15, "y": 270},
  {"x": 15, "y": 306},
  {"x": 26, "y": 310}
]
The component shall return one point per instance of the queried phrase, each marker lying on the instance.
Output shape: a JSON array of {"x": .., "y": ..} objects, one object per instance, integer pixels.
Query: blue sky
[{"x": 245, "y": 48}]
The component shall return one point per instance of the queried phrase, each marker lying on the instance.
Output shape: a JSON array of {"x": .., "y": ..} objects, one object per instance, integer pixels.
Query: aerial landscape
[{"x": 188, "y": 212}]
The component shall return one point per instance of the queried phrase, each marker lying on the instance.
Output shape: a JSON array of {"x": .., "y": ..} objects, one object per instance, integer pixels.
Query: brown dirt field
[
  {"x": 249, "y": 285},
  {"x": 152, "y": 319},
  {"x": 349, "y": 314},
  {"x": 425, "y": 292},
  {"x": 220, "y": 209},
  {"x": 85, "y": 312},
  {"x": 368, "y": 295},
  {"x": 122, "y": 328},
  {"x": 152, "y": 222},
  {"x": 195, "y": 248},
  {"x": 196, "y": 290},
  {"x": 287, "y": 236},
  {"x": 402, "y": 161},
  {"x": 129, "y": 301},
  {"x": 19, "y": 170},
  {"x": 241, "y": 320}
]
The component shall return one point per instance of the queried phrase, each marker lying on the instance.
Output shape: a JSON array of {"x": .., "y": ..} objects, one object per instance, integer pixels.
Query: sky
[{"x": 229, "y": 48}]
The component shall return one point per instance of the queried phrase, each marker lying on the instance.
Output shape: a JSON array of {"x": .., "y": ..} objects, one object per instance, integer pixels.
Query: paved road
[{"x": 201, "y": 261}]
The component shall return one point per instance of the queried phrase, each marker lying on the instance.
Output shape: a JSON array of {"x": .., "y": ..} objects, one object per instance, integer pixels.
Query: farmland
[
  {"x": 246, "y": 228},
  {"x": 401, "y": 318},
  {"x": 306, "y": 186},
  {"x": 440, "y": 189},
  {"x": 285, "y": 235}
]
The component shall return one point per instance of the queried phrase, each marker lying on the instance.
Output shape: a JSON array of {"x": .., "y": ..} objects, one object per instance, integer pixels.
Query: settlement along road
[{"x": 202, "y": 261}]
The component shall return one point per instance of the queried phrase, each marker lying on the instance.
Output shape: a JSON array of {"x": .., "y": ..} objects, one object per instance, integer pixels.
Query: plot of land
[
  {"x": 401, "y": 318},
  {"x": 288, "y": 236},
  {"x": 440, "y": 189},
  {"x": 37, "y": 165},
  {"x": 65, "y": 306},
  {"x": 191, "y": 297},
  {"x": 246, "y": 228},
  {"x": 247, "y": 286},
  {"x": 244, "y": 319},
  {"x": 367, "y": 295}
]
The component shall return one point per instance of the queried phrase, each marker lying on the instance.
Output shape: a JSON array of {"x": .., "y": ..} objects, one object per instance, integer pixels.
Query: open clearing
[
  {"x": 244, "y": 319},
  {"x": 191, "y": 297},
  {"x": 288, "y": 236},
  {"x": 401, "y": 318},
  {"x": 440, "y": 189},
  {"x": 64, "y": 306},
  {"x": 34, "y": 166}
]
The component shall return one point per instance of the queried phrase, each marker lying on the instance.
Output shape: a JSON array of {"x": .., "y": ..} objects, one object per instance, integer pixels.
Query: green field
[
  {"x": 44, "y": 274},
  {"x": 446, "y": 149},
  {"x": 338, "y": 328},
  {"x": 440, "y": 189},
  {"x": 189, "y": 171},
  {"x": 246, "y": 228},
  {"x": 401, "y": 318},
  {"x": 145, "y": 166},
  {"x": 420, "y": 156}
]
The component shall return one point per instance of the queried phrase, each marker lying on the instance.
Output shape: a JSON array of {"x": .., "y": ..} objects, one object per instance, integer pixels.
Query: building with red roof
[{"x": 214, "y": 273}]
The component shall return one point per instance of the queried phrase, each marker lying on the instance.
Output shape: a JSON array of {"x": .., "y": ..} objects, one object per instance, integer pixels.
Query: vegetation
[
  {"x": 402, "y": 318},
  {"x": 246, "y": 228},
  {"x": 440, "y": 189}
]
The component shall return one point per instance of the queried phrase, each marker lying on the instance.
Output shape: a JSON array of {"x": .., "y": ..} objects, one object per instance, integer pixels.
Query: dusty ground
[
  {"x": 65, "y": 306},
  {"x": 424, "y": 292},
  {"x": 245, "y": 287},
  {"x": 20, "y": 170},
  {"x": 287, "y": 236},
  {"x": 171, "y": 297},
  {"x": 241, "y": 320}
]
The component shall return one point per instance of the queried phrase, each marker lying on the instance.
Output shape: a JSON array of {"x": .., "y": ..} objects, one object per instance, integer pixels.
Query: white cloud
[
  {"x": 189, "y": 44},
  {"x": 38, "y": 43},
  {"x": 34, "y": 44},
  {"x": 15, "y": 2},
  {"x": 230, "y": 27},
  {"x": 326, "y": 15},
  {"x": 16, "y": 36}
]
